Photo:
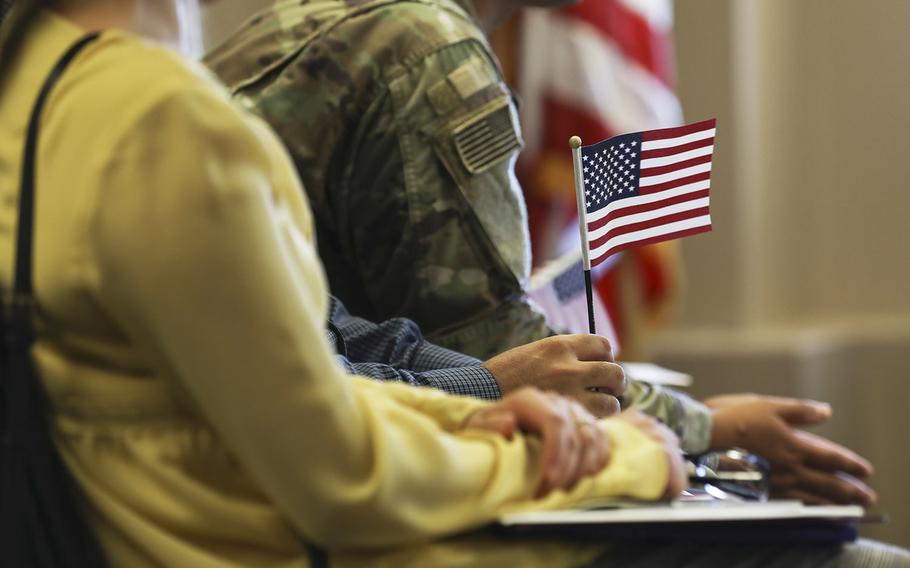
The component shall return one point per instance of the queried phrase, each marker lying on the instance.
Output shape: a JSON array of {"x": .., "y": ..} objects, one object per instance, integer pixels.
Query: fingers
[
  {"x": 561, "y": 445},
  {"x": 550, "y": 417},
  {"x": 600, "y": 404},
  {"x": 841, "y": 489},
  {"x": 598, "y": 449},
  {"x": 800, "y": 412},
  {"x": 603, "y": 376},
  {"x": 569, "y": 364},
  {"x": 826, "y": 455},
  {"x": 728, "y": 400},
  {"x": 538, "y": 413},
  {"x": 590, "y": 347},
  {"x": 820, "y": 487},
  {"x": 572, "y": 456},
  {"x": 573, "y": 446},
  {"x": 822, "y": 471},
  {"x": 593, "y": 445},
  {"x": 806, "y": 497},
  {"x": 571, "y": 449}
]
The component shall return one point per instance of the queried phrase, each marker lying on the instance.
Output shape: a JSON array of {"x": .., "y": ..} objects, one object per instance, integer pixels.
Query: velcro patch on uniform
[
  {"x": 470, "y": 77},
  {"x": 443, "y": 97},
  {"x": 487, "y": 139}
]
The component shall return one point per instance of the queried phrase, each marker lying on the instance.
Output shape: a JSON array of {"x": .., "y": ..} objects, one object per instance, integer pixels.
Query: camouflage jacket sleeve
[
  {"x": 690, "y": 419},
  {"x": 419, "y": 211},
  {"x": 405, "y": 137},
  {"x": 462, "y": 259}
]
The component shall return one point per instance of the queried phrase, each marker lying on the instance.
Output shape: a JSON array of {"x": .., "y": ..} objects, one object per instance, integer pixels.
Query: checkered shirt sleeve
[{"x": 395, "y": 350}]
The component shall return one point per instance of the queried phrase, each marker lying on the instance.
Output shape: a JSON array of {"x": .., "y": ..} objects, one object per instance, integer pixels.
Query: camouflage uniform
[{"x": 405, "y": 135}]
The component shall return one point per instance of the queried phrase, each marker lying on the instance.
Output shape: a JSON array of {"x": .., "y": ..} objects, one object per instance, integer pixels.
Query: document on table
[{"x": 687, "y": 512}]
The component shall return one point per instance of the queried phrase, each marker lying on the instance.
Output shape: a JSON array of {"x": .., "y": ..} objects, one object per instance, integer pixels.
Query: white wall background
[{"x": 803, "y": 288}]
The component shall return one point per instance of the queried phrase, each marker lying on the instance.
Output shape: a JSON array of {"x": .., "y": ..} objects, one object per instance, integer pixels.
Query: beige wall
[
  {"x": 810, "y": 193},
  {"x": 802, "y": 287}
]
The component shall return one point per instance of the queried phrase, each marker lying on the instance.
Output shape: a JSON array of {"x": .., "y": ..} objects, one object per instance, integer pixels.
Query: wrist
[{"x": 727, "y": 430}]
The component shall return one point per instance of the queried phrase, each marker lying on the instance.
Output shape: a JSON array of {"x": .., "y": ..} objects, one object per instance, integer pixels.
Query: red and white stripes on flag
[
  {"x": 595, "y": 69},
  {"x": 645, "y": 187}
]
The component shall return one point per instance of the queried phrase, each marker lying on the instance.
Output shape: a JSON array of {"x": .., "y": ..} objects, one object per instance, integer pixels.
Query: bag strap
[
  {"x": 23, "y": 280},
  {"x": 41, "y": 522},
  {"x": 20, "y": 333}
]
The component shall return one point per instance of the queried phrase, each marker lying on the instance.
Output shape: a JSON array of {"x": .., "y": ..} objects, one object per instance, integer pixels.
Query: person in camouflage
[
  {"x": 405, "y": 143},
  {"x": 405, "y": 135}
]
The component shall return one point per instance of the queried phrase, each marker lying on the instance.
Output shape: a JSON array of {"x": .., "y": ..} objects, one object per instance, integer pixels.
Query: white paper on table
[
  {"x": 655, "y": 374},
  {"x": 677, "y": 512}
]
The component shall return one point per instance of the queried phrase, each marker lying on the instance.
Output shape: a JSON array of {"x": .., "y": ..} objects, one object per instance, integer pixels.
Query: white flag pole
[{"x": 575, "y": 145}]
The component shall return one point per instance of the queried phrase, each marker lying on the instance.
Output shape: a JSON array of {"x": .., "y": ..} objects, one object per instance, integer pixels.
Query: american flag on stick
[{"x": 642, "y": 188}]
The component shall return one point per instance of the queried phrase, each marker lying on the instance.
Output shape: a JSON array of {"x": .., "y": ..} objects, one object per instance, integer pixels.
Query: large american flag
[
  {"x": 647, "y": 187},
  {"x": 597, "y": 69}
]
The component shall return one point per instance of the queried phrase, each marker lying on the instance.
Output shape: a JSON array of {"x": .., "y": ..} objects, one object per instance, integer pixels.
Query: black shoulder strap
[
  {"x": 41, "y": 519},
  {"x": 23, "y": 280},
  {"x": 20, "y": 334}
]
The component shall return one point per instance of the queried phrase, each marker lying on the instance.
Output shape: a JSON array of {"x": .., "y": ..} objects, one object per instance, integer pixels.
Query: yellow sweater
[{"x": 181, "y": 338}]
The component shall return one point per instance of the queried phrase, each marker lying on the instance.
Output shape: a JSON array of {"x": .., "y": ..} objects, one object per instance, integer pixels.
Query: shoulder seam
[{"x": 281, "y": 63}]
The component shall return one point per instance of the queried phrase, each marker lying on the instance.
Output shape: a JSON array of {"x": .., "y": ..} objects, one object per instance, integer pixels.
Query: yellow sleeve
[
  {"x": 637, "y": 469},
  {"x": 203, "y": 256}
]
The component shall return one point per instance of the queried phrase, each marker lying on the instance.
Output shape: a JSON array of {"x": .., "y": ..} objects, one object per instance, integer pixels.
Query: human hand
[
  {"x": 579, "y": 366},
  {"x": 803, "y": 466},
  {"x": 573, "y": 445},
  {"x": 677, "y": 480}
]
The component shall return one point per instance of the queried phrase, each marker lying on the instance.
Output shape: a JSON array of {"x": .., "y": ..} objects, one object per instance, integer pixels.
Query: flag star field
[{"x": 647, "y": 187}]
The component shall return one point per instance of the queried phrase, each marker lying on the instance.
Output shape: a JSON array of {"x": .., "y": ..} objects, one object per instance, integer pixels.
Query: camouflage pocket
[{"x": 479, "y": 149}]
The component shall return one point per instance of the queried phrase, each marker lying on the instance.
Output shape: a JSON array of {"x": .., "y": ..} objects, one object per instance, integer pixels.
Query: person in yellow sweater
[
  {"x": 205, "y": 417},
  {"x": 180, "y": 339}
]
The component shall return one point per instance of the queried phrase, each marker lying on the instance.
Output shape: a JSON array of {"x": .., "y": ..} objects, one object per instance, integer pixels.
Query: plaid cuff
[
  {"x": 466, "y": 381},
  {"x": 432, "y": 357}
]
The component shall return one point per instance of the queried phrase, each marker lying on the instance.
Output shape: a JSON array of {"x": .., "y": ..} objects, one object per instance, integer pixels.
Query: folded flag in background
[
  {"x": 647, "y": 187},
  {"x": 558, "y": 288},
  {"x": 593, "y": 69}
]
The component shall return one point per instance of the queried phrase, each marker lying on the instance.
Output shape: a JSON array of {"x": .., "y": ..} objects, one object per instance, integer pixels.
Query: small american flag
[{"x": 647, "y": 187}]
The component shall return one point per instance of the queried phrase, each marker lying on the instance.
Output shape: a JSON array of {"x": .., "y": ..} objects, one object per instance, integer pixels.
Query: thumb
[{"x": 803, "y": 412}]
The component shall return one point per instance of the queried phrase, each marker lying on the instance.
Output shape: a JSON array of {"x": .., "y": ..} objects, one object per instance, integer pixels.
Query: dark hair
[{"x": 15, "y": 18}]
